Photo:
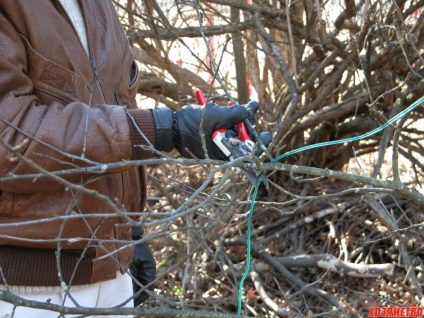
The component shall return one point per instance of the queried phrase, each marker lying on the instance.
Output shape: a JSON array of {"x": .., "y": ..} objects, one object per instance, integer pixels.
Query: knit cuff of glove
[{"x": 164, "y": 122}]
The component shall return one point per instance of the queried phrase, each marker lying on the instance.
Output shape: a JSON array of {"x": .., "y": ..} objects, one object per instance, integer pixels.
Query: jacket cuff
[
  {"x": 164, "y": 122},
  {"x": 144, "y": 120}
]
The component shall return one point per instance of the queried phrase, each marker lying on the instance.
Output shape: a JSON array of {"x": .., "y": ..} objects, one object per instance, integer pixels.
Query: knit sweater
[{"x": 74, "y": 12}]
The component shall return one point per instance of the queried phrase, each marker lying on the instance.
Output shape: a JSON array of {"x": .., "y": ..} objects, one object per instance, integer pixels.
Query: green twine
[{"x": 322, "y": 144}]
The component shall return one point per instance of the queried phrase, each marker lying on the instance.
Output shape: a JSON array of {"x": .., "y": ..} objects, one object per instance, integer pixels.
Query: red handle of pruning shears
[{"x": 241, "y": 127}]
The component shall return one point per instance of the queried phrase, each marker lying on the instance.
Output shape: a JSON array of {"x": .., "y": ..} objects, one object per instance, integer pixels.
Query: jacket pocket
[
  {"x": 133, "y": 75},
  {"x": 7, "y": 200},
  {"x": 127, "y": 89},
  {"x": 54, "y": 79}
]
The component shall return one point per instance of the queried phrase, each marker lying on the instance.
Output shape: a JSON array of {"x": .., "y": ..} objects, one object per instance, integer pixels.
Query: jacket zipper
[
  {"x": 97, "y": 79},
  {"x": 89, "y": 43},
  {"x": 90, "y": 47}
]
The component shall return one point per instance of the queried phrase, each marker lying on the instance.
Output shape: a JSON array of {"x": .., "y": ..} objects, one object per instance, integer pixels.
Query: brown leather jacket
[{"x": 62, "y": 110}]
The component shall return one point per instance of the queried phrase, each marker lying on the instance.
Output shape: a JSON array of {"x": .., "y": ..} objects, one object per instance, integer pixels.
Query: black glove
[
  {"x": 143, "y": 267},
  {"x": 251, "y": 108},
  {"x": 187, "y": 122},
  {"x": 181, "y": 129}
]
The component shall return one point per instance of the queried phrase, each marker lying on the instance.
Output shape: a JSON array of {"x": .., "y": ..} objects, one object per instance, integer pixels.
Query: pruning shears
[{"x": 233, "y": 147}]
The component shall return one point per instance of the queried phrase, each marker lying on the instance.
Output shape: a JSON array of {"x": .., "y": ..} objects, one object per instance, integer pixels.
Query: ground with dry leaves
[{"x": 318, "y": 255}]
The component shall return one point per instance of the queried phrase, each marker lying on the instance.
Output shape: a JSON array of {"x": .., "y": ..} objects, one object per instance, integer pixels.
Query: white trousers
[{"x": 100, "y": 295}]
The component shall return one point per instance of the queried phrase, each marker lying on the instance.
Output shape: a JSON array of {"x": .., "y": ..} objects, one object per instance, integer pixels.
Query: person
[{"x": 68, "y": 82}]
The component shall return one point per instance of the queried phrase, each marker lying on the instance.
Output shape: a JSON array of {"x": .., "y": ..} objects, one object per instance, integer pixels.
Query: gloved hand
[
  {"x": 143, "y": 267},
  {"x": 181, "y": 129},
  {"x": 187, "y": 123}
]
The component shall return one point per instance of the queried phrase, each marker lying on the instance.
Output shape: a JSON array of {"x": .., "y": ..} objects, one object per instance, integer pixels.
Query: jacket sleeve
[{"x": 57, "y": 136}]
